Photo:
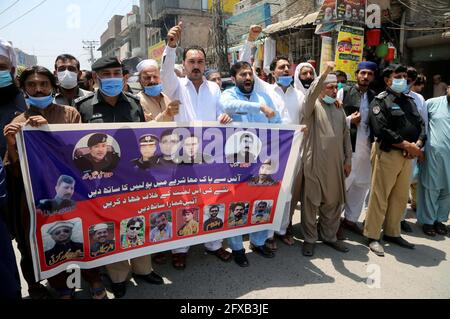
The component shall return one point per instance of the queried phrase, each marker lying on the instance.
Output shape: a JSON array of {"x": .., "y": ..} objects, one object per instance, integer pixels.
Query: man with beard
[
  {"x": 326, "y": 162},
  {"x": 12, "y": 102},
  {"x": 262, "y": 213},
  {"x": 63, "y": 202},
  {"x": 264, "y": 177},
  {"x": 238, "y": 218},
  {"x": 67, "y": 70},
  {"x": 65, "y": 248},
  {"x": 99, "y": 159},
  {"x": 102, "y": 245},
  {"x": 213, "y": 222},
  {"x": 156, "y": 105},
  {"x": 304, "y": 76},
  {"x": 434, "y": 186},
  {"x": 148, "y": 144},
  {"x": 356, "y": 100},
  {"x": 163, "y": 229},
  {"x": 244, "y": 104}
]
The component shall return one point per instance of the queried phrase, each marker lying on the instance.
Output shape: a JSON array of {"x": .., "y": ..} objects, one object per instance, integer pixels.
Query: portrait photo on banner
[
  {"x": 101, "y": 239},
  {"x": 132, "y": 232}
]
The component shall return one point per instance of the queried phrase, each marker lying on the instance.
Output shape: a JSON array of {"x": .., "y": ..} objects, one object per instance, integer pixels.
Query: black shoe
[
  {"x": 440, "y": 228},
  {"x": 405, "y": 226},
  {"x": 263, "y": 251},
  {"x": 119, "y": 289},
  {"x": 39, "y": 292},
  {"x": 399, "y": 241},
  {"x": 240, "y": 258},
  {"x": 151, "y": 278}
]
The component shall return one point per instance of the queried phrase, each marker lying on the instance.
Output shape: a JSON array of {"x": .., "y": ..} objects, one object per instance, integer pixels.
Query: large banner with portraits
[{"x": 104, "y": 193}]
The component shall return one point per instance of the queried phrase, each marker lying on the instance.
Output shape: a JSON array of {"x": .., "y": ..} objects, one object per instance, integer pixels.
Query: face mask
[
  {"x": 341, "y": 86},
  {"x": 153, "y": 90},
  {"x": 68, "y": 80},
  {"x": 328, "y": 99},
  {"x": 307, "y": 83},
  {"x": 399, "y": 85},
  {"x": 111, "y": 87},
  {"x": 40, "y": 102},
  {"x": 5, "y": 79},
  {"x": 285, "y": 80}
]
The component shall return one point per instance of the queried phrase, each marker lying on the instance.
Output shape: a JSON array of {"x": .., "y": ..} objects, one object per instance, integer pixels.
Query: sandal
[
  {"x": 98, "y": 293},
  {"x": 271, "y": 244},
  {"x": 308, "y": 249},
  {"x": 288, "y": 239},
  {"x": 220, "y": 253},
  {"x": 179, "y": 261},
  {"x": 429, "y": 230},
  {"x": 159, "y": 258},
  {"x": 440, "y": 228}
]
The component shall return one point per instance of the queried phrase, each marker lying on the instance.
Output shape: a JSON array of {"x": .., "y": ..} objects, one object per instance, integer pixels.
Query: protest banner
[
  {"x": 349, "y": 50},
  {"x": 103, "y": 193}
]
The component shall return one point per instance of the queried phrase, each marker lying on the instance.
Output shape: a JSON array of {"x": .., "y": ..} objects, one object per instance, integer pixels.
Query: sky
[{"x": 58, "y": 26}]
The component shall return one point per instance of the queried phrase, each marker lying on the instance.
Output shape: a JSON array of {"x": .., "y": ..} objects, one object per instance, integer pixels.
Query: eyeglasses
[
  {"x": 135, "y": 228},
  {"x": 65, "y": 231}
]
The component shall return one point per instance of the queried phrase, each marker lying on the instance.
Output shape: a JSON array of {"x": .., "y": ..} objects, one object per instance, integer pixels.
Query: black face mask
[{"x": 306, "y": 83}]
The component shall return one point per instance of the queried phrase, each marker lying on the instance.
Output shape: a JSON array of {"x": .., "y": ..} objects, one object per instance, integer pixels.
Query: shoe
[
  {"x": 151, "y": 278},
  {"x": 220, "y": 253},
  {"x": 440, "y": 228},
  {"x": 376, "y": 247},
  {"x": 263, "y": 251},
  {"x": 271, "y": 244},
  {"x": 405, "y": 226},
  {"x": 308, "y": 249},
  {"x": 352, "y": 226},
  {"x": 339, "y": 246},
  {"x": 399, "y": 241},
  {"x": 287, "y": 239},
  {"x": 429, "y": 230},
  {"x": 240, "y": 258},
  {"x": 119, "y": 289}
]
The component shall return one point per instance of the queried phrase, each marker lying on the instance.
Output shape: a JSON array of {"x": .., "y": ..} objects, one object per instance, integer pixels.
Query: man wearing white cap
[
  {"x": 156, "y": 105},
  {"x": 12, "y": 101},
  {"x": 326, "y": 161},
  {"x": 101, "y": 245},
  {"x": 64, "y": 248}
]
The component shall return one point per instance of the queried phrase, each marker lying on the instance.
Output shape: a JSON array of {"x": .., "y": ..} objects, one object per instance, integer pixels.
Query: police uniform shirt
[
  {"x": 394, "y": 119},
  {"x": 55, "y": 205},
  {"x": 61, "y": 99},
  {"x": 63, "y": 252},
  {"x": 94, "y": 109},
  {"x": 87, "y": 164},
  {"x": 213, "y": 223},
  {"x": 165, "y": 163},
  {"x": 144, "y": 165},
  {"x": 98, "y": 249}
]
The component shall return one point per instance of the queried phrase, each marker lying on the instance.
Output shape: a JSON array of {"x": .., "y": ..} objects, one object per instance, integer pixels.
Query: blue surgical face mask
[
  {"x": 328, "y": 99},
  {"x": 40, "y": 102},
  {"x": 285, "y": 80},
  {"x": 5, "y": 79},
  {"x": 153, "y": 90},
  {"x": 399, "y": 85},
  {"x": 111, "y": 86}
]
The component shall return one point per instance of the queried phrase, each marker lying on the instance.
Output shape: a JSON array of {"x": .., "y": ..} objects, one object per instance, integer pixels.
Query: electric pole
[
  {"x": 90, "y": 46},
  {"x": 220, "y": 46}
]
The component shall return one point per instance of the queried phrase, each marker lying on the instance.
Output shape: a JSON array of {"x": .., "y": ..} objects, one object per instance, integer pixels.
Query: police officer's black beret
[
  {"x": 106, "y": 62},
  {"x": 148, "y": 139},
  {"x": 96, "y": 139}
]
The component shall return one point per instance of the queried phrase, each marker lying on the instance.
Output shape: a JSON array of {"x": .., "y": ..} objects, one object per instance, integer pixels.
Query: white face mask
[{"x": 68, "y": 80}]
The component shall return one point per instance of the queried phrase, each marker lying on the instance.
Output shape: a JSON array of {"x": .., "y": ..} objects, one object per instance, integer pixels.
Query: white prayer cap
[
  {"x": 330, "y": 78},
  {"x": 100, "y": 226},
  {"x": 7, "y": 50},
  {"x": 145, "y": 64},
  {"x": 60, "y": 224}
]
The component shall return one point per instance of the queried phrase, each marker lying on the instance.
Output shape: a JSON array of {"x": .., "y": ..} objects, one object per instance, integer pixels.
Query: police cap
[
  {"x": 148, "y": 139},
  {"x": 106, "y": 62},
  {"x": 96, "y": 139}
]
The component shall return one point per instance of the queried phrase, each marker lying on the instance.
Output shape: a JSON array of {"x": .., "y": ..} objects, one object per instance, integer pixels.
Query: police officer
[
  {"x": 99, "y": 159},
  {"x": 400, "y": 134},
  {"x": 109, "y": 104},
  {"x": 148, "y": 144},
  {"x": 63, "y": 202}
]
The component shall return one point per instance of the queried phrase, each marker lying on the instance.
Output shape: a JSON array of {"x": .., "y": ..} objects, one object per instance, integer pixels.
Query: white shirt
[
  {"x": 203, "y": 105},
  {"x": 288, "y": 104}
]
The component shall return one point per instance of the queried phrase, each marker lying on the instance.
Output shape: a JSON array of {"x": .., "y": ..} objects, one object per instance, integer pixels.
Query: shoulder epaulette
[
  {"x": 137, "y": 99},
  {"x": 81, "y": 99},
  {"x": 382, "y": 95}
]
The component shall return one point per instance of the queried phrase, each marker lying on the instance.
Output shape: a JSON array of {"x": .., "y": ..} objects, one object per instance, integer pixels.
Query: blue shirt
[{"x": 246, "y": 107}]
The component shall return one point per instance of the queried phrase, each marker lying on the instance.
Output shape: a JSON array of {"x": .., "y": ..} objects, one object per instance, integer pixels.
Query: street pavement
[{"x": 420, "y": 273}]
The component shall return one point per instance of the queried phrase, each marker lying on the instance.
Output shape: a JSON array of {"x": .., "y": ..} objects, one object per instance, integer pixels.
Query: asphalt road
[{"x": 420, "y": 273}]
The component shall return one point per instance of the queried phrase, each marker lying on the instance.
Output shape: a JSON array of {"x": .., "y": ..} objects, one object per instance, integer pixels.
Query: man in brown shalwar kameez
[{"x": 326, "y": 161}]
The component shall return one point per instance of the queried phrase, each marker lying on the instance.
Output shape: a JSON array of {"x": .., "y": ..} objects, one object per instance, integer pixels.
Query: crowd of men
[{"x": 358, "y": 146}]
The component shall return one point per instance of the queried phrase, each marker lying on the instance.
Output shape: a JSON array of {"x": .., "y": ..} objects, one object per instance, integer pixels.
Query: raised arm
[{"x": 169, "y": 79}]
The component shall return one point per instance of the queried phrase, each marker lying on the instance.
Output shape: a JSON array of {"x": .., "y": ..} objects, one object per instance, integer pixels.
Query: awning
[{"x": 293, "y": 22}]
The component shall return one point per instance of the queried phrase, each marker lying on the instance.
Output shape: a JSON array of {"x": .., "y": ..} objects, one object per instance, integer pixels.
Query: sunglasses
[{"x": 135, "y": 228}]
